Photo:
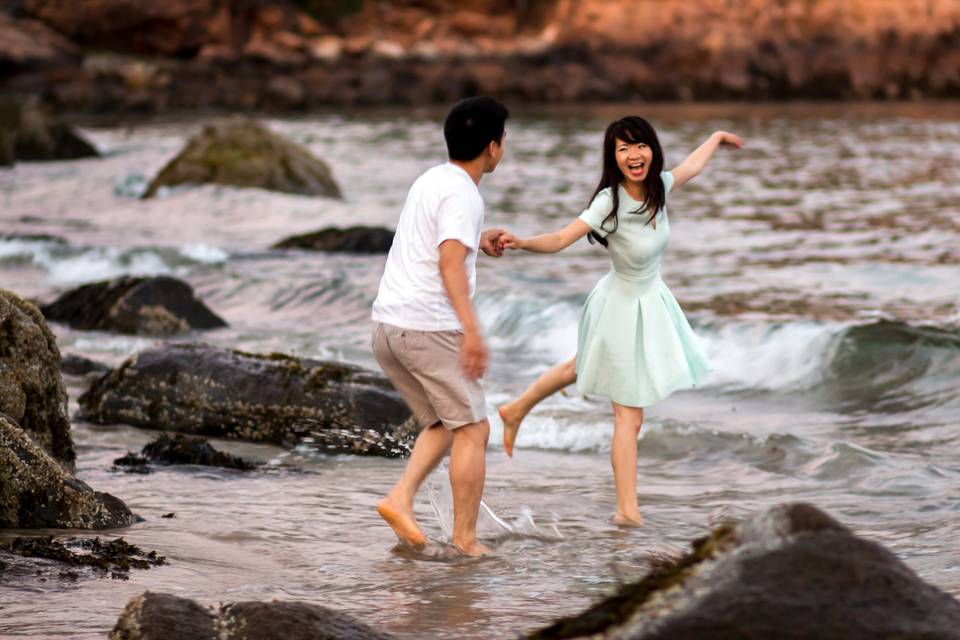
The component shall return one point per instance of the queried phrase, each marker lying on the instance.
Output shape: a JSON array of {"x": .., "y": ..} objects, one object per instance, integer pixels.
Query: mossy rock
[
  {"x": 240, "y": 152},
  {"x": 155, "y": 306},
  {"x": 159, "y": 616},
  {"x": 31, "y": 387},
  {"x": 359, "y": 239},
  {"x": 791, "y": 572},
  {"x": 210, "y": 391},
  {"x": 28, "y": 133},
  {"x": 36, "y": 492}
]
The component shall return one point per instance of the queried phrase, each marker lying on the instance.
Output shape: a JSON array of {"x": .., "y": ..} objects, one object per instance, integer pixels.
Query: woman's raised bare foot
[
  {"x": 511, "y": 425},
  {"x": 474, "y": 549},
  {"x": 624, "y": 520},
  {"x": 403, "y": 523}
]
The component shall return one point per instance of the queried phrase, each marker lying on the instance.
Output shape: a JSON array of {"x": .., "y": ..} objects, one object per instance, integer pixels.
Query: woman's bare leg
[
  {"x": 623, "y": 457},
  {"x": 552, "y": 380}
]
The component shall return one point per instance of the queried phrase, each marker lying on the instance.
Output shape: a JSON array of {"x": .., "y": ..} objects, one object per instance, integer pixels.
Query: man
[{"x": 426, "y": 337}]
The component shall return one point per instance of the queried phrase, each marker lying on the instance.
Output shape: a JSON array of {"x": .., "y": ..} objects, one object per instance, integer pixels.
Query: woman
[{"x": 634, "y": 344}]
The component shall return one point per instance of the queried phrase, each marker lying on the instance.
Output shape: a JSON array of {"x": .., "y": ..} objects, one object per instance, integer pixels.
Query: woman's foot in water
[
  {"x": 632, "y": 519},
  {"x": 403, "y": 522},
  {"x": 511, "y": 425}
]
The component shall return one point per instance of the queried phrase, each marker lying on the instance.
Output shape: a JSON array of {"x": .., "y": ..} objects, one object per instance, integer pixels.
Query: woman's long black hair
[{"x": 632, "y": 129}]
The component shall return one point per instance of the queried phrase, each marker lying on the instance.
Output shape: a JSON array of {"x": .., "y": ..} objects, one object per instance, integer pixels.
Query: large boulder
[
  {"x": 156, "y": 306},
  {"x": 205, "y": 390},
  {"x": 158, "y": 616},
  {"x": 31, "y": 388},
  {"x": 36, "y": 492},
  {"x": 240, "y": 152},
  {"x": 28, "y": 133},
  {"x": 791, "y": 572},
  {"x": 359, "y": 239}
]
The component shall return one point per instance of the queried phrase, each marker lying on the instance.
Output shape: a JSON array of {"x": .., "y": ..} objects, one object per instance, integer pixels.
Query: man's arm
[{"x": 473, "y": 353}]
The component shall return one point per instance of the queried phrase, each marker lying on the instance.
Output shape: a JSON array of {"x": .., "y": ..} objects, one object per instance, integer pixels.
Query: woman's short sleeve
[
  {"x": 667, "y": 179},
  {"x": 596, "y": 213}
]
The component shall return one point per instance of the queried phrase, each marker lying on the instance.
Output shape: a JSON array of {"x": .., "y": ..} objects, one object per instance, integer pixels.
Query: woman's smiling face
[{"x": 633, "y": 159}]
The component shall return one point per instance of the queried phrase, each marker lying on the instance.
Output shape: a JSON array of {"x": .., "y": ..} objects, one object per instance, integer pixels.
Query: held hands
[
  {"x": 510, "y": 241},
  {"x": 490, "y": 242}
]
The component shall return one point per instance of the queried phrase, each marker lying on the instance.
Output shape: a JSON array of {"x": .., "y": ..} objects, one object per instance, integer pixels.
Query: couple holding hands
[{"x": 634, "y": 344}]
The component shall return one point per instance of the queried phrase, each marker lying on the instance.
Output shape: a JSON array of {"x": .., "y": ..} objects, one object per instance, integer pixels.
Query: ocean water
[{"x": 820, "y": 265}]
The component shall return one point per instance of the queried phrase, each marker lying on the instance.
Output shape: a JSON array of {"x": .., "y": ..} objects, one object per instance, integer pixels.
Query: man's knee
[{"x": 477, "y": 432}]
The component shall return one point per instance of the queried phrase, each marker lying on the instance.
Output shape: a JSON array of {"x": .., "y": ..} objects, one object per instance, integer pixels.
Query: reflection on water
[{"x": 819, "y": 264}]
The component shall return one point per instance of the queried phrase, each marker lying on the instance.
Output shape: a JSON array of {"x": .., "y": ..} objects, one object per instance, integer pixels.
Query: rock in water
[
  {"x": 351, "y": 240},
  {"x": 181, "y": 449},
  {"x": 33, "y": 135},
  {"x": 158, "y": 616},
  {"x": 791, "y": 572},
  {"x": 155, "y": 306},
  {"x": 31, "y": 389},
  {"x": 36, "y": 493},
  {"x": 240, "y": 152},
  {"x": 205, "y": 390}
]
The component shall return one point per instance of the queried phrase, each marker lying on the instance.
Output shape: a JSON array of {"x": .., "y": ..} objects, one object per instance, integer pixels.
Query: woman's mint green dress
[{"x": 635, "y": 346}]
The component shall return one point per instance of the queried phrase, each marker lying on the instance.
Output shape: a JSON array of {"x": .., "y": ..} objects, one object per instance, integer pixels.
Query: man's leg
[
  {"x": 397, "y": 508},
  {"x": 468, "y": 470},
  {"x": 550, "y": 381}
]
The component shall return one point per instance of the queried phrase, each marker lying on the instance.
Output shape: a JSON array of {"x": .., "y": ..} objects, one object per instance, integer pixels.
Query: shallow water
[{"x": 820, "y": 265}]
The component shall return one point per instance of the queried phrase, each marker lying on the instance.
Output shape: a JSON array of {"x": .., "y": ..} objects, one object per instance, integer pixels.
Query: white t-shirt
[{"x": 443, "y": 204}]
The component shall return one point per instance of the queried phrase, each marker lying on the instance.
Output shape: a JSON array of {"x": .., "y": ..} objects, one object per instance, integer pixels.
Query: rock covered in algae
[
  {"x": 181, "y": 449},
  {"x": 240, "y": 152},
  {"x": 36, "y": 492},
  {"x": 28, "y": 133},
  {"x": 791, "y": 572},
  {"x": 115, "y": 558},
  {"x": 31, "y": 388},
  {"x": 159, "y": 616},
  {"x": 211, "y": 391},
  {"x": 156, "y": 306},
  {"x": 359, "y": 239}
]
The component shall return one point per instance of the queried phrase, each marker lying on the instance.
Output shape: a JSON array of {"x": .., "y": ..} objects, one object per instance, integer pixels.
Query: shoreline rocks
[
  {"x": 27, "y": 133},
  {"x": 31, "y": 388},
  {"x": 156, "y": 616},
  {"x": 204, "y": 390},
  {"x": 181, "y": 449},
  {"x": 156, "y": 306},
  {"x": 357, "y": 239},
  {"x": 790, "y": 572},
  {"x": 114, "y": 558},
  {"x": 240, "y": 152},
  {"x": 36, "y": 493}
]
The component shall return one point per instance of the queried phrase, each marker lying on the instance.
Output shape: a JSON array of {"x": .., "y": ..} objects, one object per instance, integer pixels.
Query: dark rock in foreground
[
  {"x": 27, "y": 133},
  {"x": 181, "y": 449},
  {"x": 242, "y": 153},
  {"x": 159, "y": 616},
  {"x": 36, "y": 493},
  {"x": 156, "y": 306},
  {"x": 31, "y": 389},
  {"x": 204, "y": 390},
  {"x": 791, "y": 572},
  {"x": 351, "y": 240},
  {"x": 116, "y": 557},
  {"x": 75, "y": 365}
]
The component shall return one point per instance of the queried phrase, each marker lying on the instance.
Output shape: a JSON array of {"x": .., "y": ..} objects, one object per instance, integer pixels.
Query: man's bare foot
[
  {"x": 624, "y": 520},
  {"x": 511, "y": 425},
  {"x": 403, "y": 523},
  {"x": 473, "y": 549}
]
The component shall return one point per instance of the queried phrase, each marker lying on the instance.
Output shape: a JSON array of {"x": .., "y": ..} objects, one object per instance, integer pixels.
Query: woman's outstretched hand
[{"x": 730, "y": 140}]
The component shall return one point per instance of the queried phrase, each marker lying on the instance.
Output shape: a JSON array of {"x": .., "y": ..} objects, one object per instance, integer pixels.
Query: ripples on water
[{"x": 821, "y": 266}]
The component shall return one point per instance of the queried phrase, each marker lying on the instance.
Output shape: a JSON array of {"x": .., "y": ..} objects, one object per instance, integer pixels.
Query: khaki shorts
[{"x": 424, "y": 366}]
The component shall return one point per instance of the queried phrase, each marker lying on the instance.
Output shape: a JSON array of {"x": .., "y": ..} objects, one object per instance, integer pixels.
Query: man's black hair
[{"x": 471, "y": 125}]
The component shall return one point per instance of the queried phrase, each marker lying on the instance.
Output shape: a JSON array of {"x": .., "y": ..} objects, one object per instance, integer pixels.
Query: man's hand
[
  {"x": 490, "y": 242},
  {"x": 473, "y": 355}
]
